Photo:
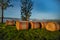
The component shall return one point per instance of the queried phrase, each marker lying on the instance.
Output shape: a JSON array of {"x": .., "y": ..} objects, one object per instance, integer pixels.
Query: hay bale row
[
  {"x": 21, "y": 25},
  {"x": 50, "y": 26}
]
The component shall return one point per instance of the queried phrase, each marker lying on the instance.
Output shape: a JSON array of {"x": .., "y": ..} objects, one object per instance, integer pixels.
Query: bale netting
[
  {"x": 10, "y": 22},
  {"x": 35, "y": 25},
  {"x": 52, "y": 26},
  {"x": 21, "y": 25}
]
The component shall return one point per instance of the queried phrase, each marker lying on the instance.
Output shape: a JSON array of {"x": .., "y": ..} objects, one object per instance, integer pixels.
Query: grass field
[{"x": 11, "y": 33}]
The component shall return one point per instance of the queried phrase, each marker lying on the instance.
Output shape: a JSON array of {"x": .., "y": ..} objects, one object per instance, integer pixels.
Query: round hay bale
[
  {"x": 35, "y": 25},
  {"x": 52, "y": 26},
  {"x": 43, "y": 24},
  {"x": 22, "y": 25},
  {"x": 17, "y": 25},
  {"x": 59, "y": 26},
  {"x": 10, "y": 22}
]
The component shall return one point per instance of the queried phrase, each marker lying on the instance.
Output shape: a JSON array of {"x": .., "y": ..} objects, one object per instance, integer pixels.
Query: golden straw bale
[
  {"x": 52, "y": 26},
  {"x": 43, "y": 24},
  {"x": 10, "y": 22},
  {"x": 21, "y": 25},
  {"x": 35, "y": 25}
]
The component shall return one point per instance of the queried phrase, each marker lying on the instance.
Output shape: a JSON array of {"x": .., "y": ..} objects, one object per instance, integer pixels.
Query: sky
[{"x": 42, "y": 9}]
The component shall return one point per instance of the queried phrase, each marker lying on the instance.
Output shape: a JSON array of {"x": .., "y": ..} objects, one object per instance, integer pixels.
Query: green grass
[{"x": 11, "y": 33}]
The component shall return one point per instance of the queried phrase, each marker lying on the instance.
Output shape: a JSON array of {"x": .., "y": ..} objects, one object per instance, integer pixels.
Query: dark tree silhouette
[
  {"x": 4, "y": 4},
  {"x": 26, "y": 7}
]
